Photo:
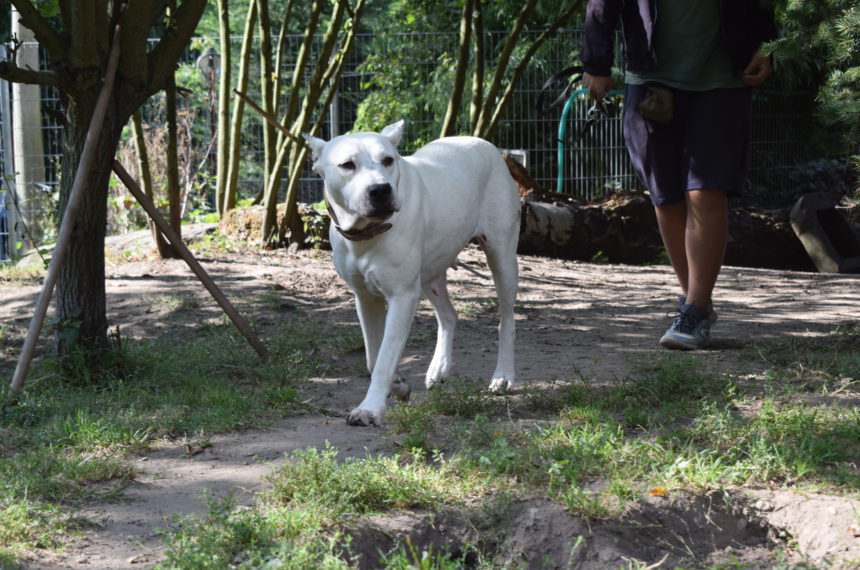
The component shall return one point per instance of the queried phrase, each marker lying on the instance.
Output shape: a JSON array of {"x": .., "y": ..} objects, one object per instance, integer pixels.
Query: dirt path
[{"x": 573, "y": 318}]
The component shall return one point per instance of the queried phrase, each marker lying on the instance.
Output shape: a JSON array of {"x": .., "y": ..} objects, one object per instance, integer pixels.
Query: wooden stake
[
  {"x": 272, "y": 120},
  {"x": 69, "y": 216},
  {"x": 195, "y": 266}
]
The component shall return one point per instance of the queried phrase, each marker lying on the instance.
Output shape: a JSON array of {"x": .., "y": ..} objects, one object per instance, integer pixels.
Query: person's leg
[
  {"x": 694, "y": 233},
  {"x": 705, "y": 239},
  {"x": 672, "y": 222}
]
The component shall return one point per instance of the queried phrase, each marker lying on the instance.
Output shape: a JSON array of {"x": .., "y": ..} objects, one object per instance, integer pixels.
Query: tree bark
[
  {"x": 80, "y": 294},
  {"x": 224, "y": 80},
  {"x": 174, "y": 203},
  {"x": 78, "y": 49}
]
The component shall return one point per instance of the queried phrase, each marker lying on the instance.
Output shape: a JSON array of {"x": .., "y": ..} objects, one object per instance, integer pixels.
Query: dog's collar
[{"x": 372, "y": 229}]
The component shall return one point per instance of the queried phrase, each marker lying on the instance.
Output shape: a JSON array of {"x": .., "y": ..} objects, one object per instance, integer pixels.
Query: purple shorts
[{"x": 704, "y": 146}]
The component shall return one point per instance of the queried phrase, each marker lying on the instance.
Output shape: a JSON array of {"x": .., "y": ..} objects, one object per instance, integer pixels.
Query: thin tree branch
[
  {"x": 163, "y": 58},
  {"x": 492, "y": 124},
  {"x": 11, "y": 72},
  {"x": 502, "y": 65},
  {"x": 45, "y": 34},
  {"x": 268, "y": 117}
]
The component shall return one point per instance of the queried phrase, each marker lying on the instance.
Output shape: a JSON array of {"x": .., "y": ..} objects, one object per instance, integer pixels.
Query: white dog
[{"x": 398, "y": 224}]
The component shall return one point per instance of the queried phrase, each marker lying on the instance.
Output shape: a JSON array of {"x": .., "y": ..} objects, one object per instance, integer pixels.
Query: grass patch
[
  {"x": 316, "y": 479},
  {"x": 20, "y": 274},
  {"x": 297, "y": 524},
  {"x": 228, "y": 537},
  {"x": 74, "y": 424},
  {"x": 671, "y": 424}
]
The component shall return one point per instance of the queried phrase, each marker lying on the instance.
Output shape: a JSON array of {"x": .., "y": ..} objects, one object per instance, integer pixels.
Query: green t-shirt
[{"x": 689, "y": 49}]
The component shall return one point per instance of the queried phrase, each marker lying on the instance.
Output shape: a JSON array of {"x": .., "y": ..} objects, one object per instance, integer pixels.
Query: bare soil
[{"x": 574, "y": 319}]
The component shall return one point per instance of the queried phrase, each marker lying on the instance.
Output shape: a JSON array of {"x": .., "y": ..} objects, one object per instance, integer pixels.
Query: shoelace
[{"x": 685, "y": 323}]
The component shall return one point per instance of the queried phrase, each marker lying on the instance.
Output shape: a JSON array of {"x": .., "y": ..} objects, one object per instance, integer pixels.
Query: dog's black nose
[
  {"x": 380, "y": 201},
  {"x": 379, "y": 192}
]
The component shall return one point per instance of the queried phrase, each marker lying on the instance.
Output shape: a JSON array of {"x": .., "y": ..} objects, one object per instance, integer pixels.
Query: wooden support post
[
  {"x": 195, "y": 266},
  {"x": 88, "y": 155}
]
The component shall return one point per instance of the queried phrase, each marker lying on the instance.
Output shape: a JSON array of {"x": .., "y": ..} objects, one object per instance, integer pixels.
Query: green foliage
[
  {"x": 408, "y": 557},
  {"x": 819, "y": 49}
]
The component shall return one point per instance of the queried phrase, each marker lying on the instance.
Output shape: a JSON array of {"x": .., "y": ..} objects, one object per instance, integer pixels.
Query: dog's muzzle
[
  {"x": 380, "y": 198},
  {"x": 370, "y": 230}
]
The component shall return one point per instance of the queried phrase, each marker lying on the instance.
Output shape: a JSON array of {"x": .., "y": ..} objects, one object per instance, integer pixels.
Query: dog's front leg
[
  {"x": 371, "y": 316},
  {"x": 398, "y": 321}
]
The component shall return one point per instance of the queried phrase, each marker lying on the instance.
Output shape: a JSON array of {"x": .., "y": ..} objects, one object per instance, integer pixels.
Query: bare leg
[
  {"x": 694, "y": 233},
  {"x": 672, "y": 221},
  {"x": 707, "y": 232}
]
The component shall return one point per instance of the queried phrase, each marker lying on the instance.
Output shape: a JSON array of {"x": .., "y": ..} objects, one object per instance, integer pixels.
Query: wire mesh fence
[{"x": 409, "y": 76}]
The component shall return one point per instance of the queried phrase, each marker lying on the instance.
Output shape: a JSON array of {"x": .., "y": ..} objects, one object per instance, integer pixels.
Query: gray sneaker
[
  {"x": 691, "y": 329},
  {"x": 712, "y": 314}
]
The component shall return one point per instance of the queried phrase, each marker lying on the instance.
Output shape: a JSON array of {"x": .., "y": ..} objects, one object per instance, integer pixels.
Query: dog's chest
[{"x": 380, "y": 273}]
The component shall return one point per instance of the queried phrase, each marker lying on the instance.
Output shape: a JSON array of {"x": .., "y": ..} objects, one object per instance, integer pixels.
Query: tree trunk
[
  {"x": 77, "y": 43},
  {"x": 449, "y": 126},
  {"x": 622, "y": 228},
  {"x": 224, "y": 80},
  {"x": 479, "y": 66},
  {"x": 266, "y": 89},
  {"x": 145, "y": 174},
  {"x": 235, "y": 152},
  {"x": 80, "y": 292},
  {"x": 174, "y": 202}
]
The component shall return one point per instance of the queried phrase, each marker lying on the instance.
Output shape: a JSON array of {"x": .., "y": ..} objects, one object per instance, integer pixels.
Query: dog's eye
[
  {"x": 348, "y": 165},
  {"x": 387, "y": 161}
]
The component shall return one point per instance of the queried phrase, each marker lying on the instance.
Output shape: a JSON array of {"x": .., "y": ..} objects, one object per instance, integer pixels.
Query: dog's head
[{"x": 360, "y": 171}]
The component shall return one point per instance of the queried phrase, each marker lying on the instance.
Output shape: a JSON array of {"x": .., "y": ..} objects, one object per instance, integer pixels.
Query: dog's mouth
[
  {"x": 370, "y": 230},
  {"x": 377, "y": 225},
  {"x": 380, "y": 213}
]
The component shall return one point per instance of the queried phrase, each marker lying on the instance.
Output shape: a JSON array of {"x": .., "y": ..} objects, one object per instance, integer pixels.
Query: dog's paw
[
  {"x": 364, "y": 418},
  {"x": 401, "y": 389},
  {"x": 432, "y": 381},
  {"x": 437, "y": 373},
  {"x": 501, "y": 385}
]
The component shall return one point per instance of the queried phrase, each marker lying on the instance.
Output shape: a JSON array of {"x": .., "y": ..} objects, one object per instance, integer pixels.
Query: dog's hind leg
[
  {"x": 502, "y": 259},
  {"x": 446, "y": 317}
]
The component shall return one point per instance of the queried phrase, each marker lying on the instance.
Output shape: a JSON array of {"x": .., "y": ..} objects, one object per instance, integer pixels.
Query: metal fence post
[{"x": 8, "y": 237}]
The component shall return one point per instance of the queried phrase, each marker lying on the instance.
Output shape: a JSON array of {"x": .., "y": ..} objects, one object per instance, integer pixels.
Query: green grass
[
  {"x": 75, "y": 423},
  {"x": 671, "y": 423},
  {"x": 295, "y": 524}
]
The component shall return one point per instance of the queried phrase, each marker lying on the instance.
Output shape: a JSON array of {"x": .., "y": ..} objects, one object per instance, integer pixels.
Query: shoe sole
[{"x": 675, "y": 344}]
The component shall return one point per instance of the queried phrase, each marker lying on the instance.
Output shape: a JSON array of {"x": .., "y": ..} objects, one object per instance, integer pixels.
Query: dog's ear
[
  {"x": 394, "y": 132},
  {"x": 316, "y": 146}
]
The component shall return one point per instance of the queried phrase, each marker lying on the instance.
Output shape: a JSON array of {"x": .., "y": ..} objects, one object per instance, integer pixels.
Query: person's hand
[
  {"x": 598, "y": 85},
  {"x": 757, "y": 70}
]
